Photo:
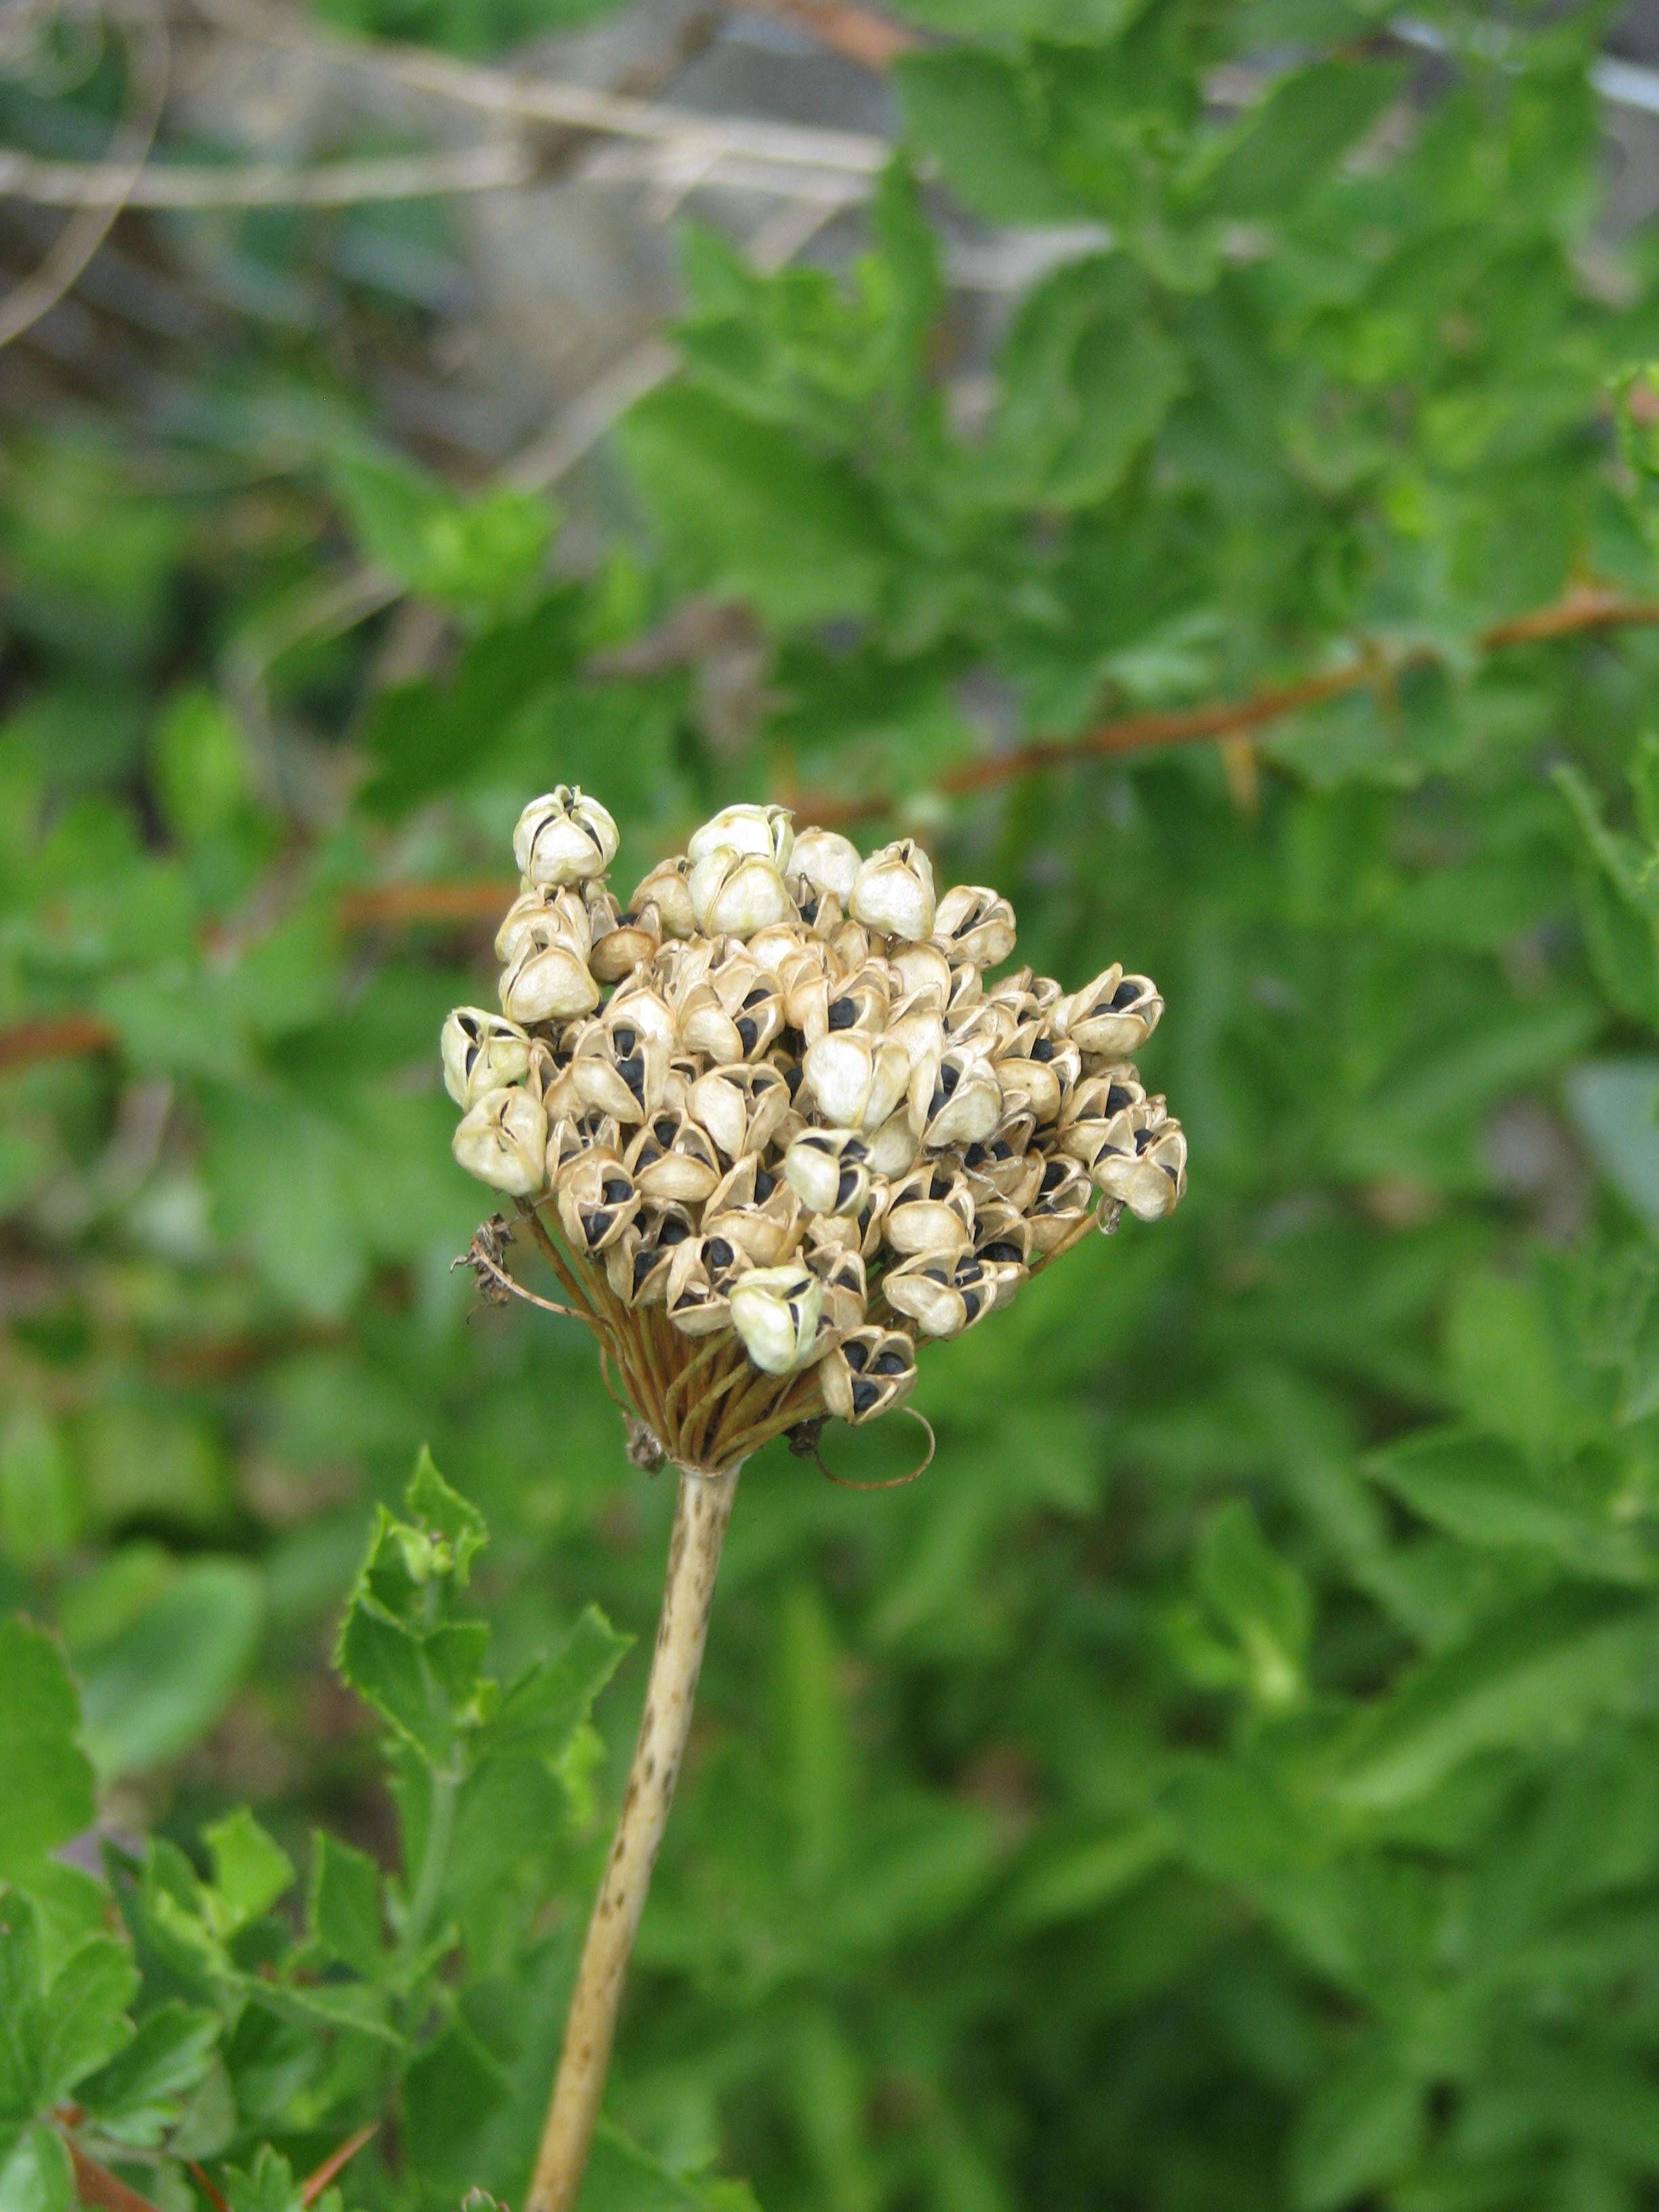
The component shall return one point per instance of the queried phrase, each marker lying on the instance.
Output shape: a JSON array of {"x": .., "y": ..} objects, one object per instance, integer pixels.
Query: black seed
[
  {"x": 469, "y": 1027},
  {"x": 1174, "y": 1174},
  {"x": 842, "y": 1014},
  {"x": 970, "y": 1271},
  {"x": 672, "y": 1232},
  {"x": 626, "y": 921},
  {"x": 663, "y": 1130},
  {"x": 941, "y": 1186},
  {"x": 1043, "y": 1050},
  {"x": 595, "y": 1227},
  {"x": 1000, "y": 1249},
  {"x": 1143, "y": 1138},
  {"x": 890, "y": 1363},
  {"x": 1116, "y": 1098},
  {"x": 1053, "y": 1176},
  {"x": 644, "y": 1261},
  {"x": 974, "y": 1156},
  {"x": 1002, "y": 1150},
  {"x": 623, "y": 1039},
  {"x": 855, "y": 1354},
  {"x": 792, "y": 1076},
  {"x": 718, "y": 1253},
  {"x": 939, "y": 1099},
  {"x": 632, "y": 1072},
  {"x": 614, "y": 1190},
  {"x": 809, "y": 907},
  {"x": 747, "y": 1033},
  {"x": 1125, "y": 995},
  {"x": 764, "y": 1186},
  {"x": 949, "y": 1076},
  {"x": 974, "y": 1300},
  {"x": 935, "y": 1275},
  {"x": 472, "y": 1052},
  {"x": 846, "y": 1186},
  {"x": 758, "y": 996},
  {"x": 865, "y": 1395}
]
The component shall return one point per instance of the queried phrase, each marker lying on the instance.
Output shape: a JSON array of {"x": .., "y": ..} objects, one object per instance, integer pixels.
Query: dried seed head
[
  {"x": 930, "y": 1210},
  {"x": 548, "y": 978},
  {"x": 547, "y": 917},
  {"x": 695, "y": 1293},
  {"x": 846, "y": 1290},
  {"x": 482, "y": 1052},
  {"x": 502, "y": 1140},
  {"x": 922, "y": 1289},
  {"x": 564, "y": 837},
  {"x": 894, "y": 891}
]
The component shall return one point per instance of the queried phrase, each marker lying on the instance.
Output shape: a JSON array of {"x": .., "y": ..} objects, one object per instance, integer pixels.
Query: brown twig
[
  {"x": 1583, "y": 612},
  {"x": 336, "y": 2162},
  {"x": 854, "y": 33},
  {"x": 96, "y": 2185}
]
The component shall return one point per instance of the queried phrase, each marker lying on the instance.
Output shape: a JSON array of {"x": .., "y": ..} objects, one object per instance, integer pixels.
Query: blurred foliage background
[{"x": 1189, "y": 461}]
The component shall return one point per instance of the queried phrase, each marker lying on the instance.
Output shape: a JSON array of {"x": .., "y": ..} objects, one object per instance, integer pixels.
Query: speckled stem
[{"x": 700, "y": 1513}]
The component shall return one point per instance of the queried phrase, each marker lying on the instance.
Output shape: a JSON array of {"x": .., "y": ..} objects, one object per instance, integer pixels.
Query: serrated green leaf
[
  {"x": 49, "y": 1793},
  {"x": 540, "y": 1713},
  {"x": 346, "y": 1915},
  {"x": 140, "y": 2093},
  {"x": 251, "y": 1870},
  {"x": 1484, "y": 1493}
]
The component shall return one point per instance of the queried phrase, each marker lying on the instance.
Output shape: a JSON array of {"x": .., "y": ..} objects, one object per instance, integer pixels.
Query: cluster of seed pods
[{"x": 776, "y": 1101}]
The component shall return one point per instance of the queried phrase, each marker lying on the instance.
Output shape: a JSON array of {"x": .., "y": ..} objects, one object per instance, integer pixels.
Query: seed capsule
[
  {"x": 482, "y": 1052},
  {"x": 668, "y": 888},
  {"x": 867, "y": 1374},
  {"x": 622, "y": 942},
  {"x": 827, "y": 861},
  {"x": 930, "y": 1210},
  {"x": 737, "y": 893},
  {"x": 502, "y": 1140},
  {"x": 894, "y": 891},
  {"x": 766, "y": 831},
  {"x": 958, "y": 1102},
  {"x": 672, "y": 1159},
  {"x": 855, "y": 1080},
  {"x": 975, "y": 925},
  {"x": 1143, "y": 1161},
  {"x": 1111, "y": 1017},
  {"x": 829, "y": 1168},
  {"x": 544, "y": 917},
  {"x": 564, "y": 837},
  {"x": 776, "y": 1311},
  {"x": 598, "y": 1201}
]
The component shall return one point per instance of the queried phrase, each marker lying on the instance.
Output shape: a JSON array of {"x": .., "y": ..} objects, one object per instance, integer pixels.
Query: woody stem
[{"x": 700, "y": 1513}]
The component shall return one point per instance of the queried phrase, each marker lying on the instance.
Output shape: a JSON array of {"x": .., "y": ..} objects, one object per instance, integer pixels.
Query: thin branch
[
  {"x": 315, "y": 2183},
  {"x": 66, "y": 258},
  {"x": 58, "y": 1037},
  {"x": 111, "y": 186},
  {"x": 701, "y": 1513},
  {"x": 1580, "y": 613},
  {"x": 97, "y": 2186},
  {"x": 575, "y": 106}
]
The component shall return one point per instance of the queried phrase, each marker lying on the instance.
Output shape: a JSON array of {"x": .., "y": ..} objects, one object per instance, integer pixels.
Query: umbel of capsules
[{"x": 775, "y": 1126}]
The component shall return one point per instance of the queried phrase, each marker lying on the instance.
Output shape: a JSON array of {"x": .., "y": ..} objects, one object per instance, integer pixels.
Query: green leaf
[
  {"x": 346, "y": 1916},
  {"x": 1262, "y": 1599},
  {"x": 1362, "y": 2127},
  {"x": 975, "y": 114},
  {"x": 1543, "y": 1668},
  {"x": 1501, "y": 1348},
  {"x": 251, "y": 1871},
  {"x": 745, "y": 512},
  {"x": 160, "y": 1682},
  {"x": 48, "y": 1796},
  {"x": 1485, "y": 1493},
  {"x": 1613, "y": 1102},
  {"x": 482, "y": 553},
  {"x": 1291, "y": 139},
  {"x": 268, "y": 2186},
  {"x": 1087, "y": 376},
  {"x": 38, "y": 2176},
  {"x": 40, "y": 1505},
  {"x": 140, "y": 2093},
  {"x": 540, "y": 1714}
]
